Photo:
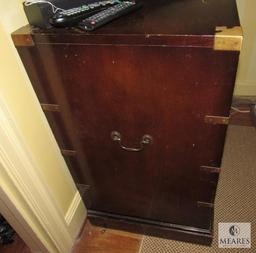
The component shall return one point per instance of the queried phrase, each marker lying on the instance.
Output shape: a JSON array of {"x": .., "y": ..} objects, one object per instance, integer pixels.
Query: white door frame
[
  {"x": 48, "y": 230},
  {"x": 17, "y": 221}
]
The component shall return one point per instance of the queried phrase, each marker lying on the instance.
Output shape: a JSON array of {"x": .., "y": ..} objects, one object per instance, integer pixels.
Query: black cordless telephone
[
  {"x": 105, "y": 16},
  {"x": 91, "y": 16},
  {"x": 84, "y": 14},
  {"x": 71, "y": 17}
]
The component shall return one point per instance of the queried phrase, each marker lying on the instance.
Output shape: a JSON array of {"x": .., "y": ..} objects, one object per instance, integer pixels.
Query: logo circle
[{"x": 234, "y": 230}]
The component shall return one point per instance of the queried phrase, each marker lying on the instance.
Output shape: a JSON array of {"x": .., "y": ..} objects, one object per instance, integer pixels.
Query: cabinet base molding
[{"x": 152, "y": 228}]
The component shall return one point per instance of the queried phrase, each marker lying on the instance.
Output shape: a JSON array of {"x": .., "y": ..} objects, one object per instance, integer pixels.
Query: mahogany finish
[{"x": 153, "y": 72}]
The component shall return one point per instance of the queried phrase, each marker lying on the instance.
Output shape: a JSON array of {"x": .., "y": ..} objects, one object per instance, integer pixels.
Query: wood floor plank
[
  {"x": 101, "y": 240},
  {"x": 92, "y": 240}
]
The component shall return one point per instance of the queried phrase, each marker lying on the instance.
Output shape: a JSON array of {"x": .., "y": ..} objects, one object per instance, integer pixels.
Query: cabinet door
[{"x": 163, "y": 92}]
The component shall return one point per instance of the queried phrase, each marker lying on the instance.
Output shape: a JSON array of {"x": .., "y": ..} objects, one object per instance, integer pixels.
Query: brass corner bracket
[
  {"x": 23, "y": 40},
  {"x": 216, "y": 120},
  {"x": 228, "y": 39}
]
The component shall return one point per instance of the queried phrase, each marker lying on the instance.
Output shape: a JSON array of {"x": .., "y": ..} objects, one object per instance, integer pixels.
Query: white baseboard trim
[{"x": 76, "y": 215}]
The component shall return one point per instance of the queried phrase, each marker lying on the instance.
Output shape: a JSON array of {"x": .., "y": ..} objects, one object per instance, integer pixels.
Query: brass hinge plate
[
  {"x": 209, "y": 174},
  {"x": 210, "y": 169},
  {"x": 228, "y": 39},
  {"x": 205, "y": 204},
  {"x": 50, "y": 107},
  {"x": 67, "y": 152},
  {"x": 216, "y": 120}
]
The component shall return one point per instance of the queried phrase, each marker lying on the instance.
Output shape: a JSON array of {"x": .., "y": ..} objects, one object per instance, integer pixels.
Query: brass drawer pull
[{"x": 146, "y": 140}]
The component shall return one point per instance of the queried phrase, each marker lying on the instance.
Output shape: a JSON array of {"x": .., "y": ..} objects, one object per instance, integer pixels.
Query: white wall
[
  {"x": 16, "y": 88},
  {"x": 246, "y": 78},
  {"x": 18, "y": 95}
]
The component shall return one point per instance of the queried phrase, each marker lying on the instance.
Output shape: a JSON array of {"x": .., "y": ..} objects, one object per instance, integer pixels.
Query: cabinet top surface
[{"x": 165, "y": 17}]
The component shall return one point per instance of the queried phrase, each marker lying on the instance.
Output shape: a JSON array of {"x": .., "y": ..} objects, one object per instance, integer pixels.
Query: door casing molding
[{"x": 24, "y": 174}]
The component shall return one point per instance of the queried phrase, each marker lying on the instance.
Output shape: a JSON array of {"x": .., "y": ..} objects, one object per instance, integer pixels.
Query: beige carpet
[{"x": 236, "y": 195}]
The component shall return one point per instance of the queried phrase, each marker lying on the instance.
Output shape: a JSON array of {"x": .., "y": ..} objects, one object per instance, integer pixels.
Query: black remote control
[
  {"x": 105, "y": 16},
  {"x": 72, "y": 16}
]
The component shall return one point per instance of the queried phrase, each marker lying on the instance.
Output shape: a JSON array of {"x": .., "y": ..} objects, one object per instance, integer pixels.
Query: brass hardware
[
  {"x": 146, "y": 140},
  {"x": 209, "y": 174},
  {"x": 216, "y": 120},
  {"x": 24, "y": 40},
  {"x": 205, "y": 204},
  {"x": 228, "y": 39},
  {"x": 210, "y": 169},
  {"x": 50, "y": 107},
  {"x": 67, "y": 152}
]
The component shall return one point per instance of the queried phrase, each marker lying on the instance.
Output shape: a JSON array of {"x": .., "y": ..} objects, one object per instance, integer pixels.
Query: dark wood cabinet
[{"x": 140, "y": 110}]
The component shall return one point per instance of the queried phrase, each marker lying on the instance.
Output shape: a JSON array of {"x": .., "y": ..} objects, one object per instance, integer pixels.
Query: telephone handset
[
  {"x": 73, "y": 16},
  {"x": 87, "y": 15}
]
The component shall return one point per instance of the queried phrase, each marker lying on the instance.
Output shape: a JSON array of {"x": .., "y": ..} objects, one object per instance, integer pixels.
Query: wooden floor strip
[
  {"x": 92, "y": 240},
  {"x": 102, "y": 240}
]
